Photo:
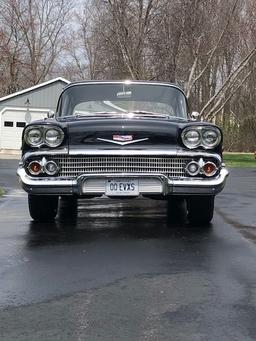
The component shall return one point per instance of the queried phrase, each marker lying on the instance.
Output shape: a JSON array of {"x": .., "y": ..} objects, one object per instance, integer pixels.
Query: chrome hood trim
[
  {"x": 123, "y": 152},
  {"x": 122, "y": 143}
]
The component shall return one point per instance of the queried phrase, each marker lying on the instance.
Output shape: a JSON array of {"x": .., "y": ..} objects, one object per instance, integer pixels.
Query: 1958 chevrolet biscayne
[{"x": 122, "y": 139}]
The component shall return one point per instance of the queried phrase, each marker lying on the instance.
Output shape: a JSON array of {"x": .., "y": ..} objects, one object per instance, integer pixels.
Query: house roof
[{"x": 35, "y": 87}]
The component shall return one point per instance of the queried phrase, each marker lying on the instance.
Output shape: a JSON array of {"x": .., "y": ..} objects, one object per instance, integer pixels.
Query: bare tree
[
  {"x": 131, "y": 28},
  {"x": 192, "y": 79},
  {"x": 11, "y": 47},
  {"x": 41, "y": 25}
]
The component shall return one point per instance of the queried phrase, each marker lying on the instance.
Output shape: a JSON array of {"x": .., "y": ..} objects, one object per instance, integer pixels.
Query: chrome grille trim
[{"x": 73, "y": 166}]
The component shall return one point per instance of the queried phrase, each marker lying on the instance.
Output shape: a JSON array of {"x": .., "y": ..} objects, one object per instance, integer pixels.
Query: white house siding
[
  {"x": 23, "y": 107},
  {"x": 12, "y": 122}
]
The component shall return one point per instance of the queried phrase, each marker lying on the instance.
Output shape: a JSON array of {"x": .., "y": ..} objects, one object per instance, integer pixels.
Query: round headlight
[
  {"x": 211, "y": 138},
  {"x": 53, "y": 137},
  {"x": 34, "y": 137},
  {"x": 191, "y": 138}
]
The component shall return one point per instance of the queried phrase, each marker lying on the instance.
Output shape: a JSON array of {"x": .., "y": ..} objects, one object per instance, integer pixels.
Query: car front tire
[
  {"x": 43, "y": 208},
  {"x": 200, "y": 209},
  {"x": 68, "y": 208},
  {"x": 175, "y": 208}
]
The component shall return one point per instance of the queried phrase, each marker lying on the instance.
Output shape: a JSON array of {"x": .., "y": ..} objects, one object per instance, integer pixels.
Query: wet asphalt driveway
[{"x": 122, "y": 272}]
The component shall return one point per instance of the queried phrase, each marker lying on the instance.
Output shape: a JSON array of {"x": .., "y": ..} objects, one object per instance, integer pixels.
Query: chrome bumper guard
[{"x": 158, "y": 184}]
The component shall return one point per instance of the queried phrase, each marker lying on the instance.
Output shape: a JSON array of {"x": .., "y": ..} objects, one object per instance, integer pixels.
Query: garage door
[{"x": 12, "y": 124}]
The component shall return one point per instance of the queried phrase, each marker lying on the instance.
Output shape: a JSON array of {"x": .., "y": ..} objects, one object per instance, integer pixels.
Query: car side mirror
[
  {"x": 195, "y": 116},
  {"x": 50, "y": 114}
]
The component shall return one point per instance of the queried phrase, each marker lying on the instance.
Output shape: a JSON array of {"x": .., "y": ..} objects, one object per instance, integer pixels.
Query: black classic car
[{"x": 122, "y": 139}]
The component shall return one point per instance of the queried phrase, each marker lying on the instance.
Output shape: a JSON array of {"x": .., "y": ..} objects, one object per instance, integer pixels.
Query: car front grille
[{"x": 73, "y": 166}]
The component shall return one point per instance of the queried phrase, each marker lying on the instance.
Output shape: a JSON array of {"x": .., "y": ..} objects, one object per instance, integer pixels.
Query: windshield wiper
[
  {"x": 90, "y": 114},
  {"x": 153, "y": 114},
  {"x": 97, "y": 113}
]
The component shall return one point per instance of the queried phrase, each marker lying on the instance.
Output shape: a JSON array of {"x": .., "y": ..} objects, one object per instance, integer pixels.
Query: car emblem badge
[{"x": 122, "y": 138}]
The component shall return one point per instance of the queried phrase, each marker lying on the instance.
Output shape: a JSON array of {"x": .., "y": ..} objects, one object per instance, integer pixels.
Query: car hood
[{"x": 123, "y": 133}]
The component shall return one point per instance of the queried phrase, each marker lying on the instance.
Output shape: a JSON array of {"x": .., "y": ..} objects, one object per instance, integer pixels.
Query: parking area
[{"x": 123, "y": 272}]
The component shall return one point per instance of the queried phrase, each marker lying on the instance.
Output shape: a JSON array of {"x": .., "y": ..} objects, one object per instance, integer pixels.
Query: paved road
[{"x": 123, "y": 273}]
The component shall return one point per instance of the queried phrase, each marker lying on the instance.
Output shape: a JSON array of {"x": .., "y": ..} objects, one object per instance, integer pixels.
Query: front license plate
[{"x": 123, "y": 187}]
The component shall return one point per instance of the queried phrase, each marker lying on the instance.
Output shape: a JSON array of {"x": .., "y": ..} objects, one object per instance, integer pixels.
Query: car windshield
[{"x": 122, "y": 99}]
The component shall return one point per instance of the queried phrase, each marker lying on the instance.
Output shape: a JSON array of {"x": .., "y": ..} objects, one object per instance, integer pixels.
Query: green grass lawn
[
  {"x": 1, "y": 191},
  {"x": 246, "y": 160}
]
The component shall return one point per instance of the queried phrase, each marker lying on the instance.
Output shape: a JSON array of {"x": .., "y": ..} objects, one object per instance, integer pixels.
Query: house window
[
  {"x": 21, "y": 124},
  {"x": 8, "y": 124}
]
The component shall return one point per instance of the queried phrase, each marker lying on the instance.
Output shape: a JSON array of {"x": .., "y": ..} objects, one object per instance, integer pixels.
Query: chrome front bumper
[{"x": 150, "y": 184}]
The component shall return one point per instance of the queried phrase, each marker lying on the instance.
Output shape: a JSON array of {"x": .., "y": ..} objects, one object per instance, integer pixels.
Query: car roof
[{"x": 126, "y": 81}]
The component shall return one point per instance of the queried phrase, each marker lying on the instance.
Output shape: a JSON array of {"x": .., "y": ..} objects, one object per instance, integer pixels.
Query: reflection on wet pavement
[{"x": 106, "y": 218}]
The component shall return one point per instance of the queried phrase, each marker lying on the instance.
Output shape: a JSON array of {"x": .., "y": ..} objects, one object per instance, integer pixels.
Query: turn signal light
[
  {"x": 193, "y": 168},
  {"x": 209, "y": 168},
  {"x": 51, "y": 168},
  {"x": 35, "y": 168}
]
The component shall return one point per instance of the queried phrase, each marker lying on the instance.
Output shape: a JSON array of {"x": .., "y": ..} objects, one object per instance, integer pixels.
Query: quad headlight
[
  {"x": 210, "y": 138},
  {"x": 36, "y": 136},
  {"x": 191, "y": 138},
  {"x": 53, "y": 137},
  {"x": 201, "y": 136}
]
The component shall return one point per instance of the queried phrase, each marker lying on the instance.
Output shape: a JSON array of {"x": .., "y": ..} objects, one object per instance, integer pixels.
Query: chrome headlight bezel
[
  {"x": 216, "y": 142},
  {"x": 202, "y": 130},
  {"x": 185, "y": 141},
  {"x": 27, "y": 137},
  {"x": 61, "y": 137},
  {"x": 43, "y": 131}
]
